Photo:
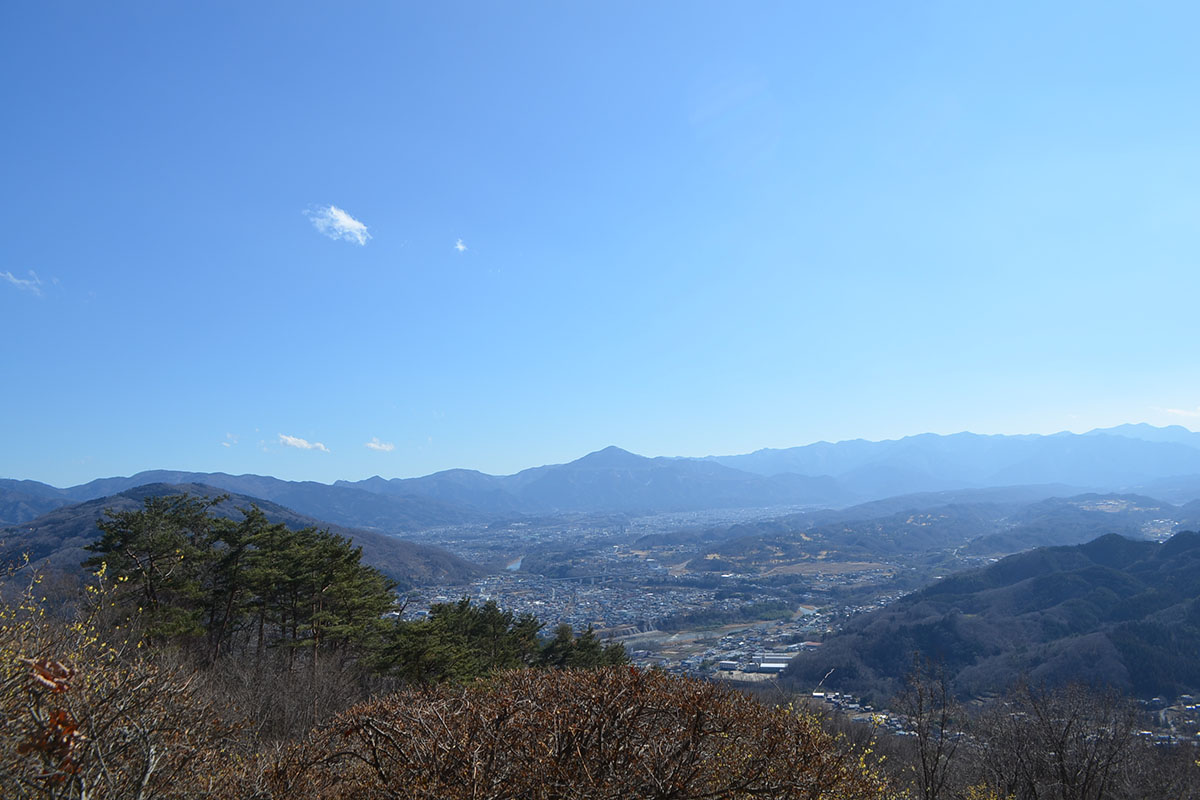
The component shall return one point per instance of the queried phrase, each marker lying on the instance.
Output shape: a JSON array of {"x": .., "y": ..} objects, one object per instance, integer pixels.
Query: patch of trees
[
  {"x": 214, "y": 584},
  {"x": 461, "y": 641},
  {"x": 254, "y": 589}
]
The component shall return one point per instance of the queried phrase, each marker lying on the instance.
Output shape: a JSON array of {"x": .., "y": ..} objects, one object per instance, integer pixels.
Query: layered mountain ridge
[{"x": 1160, "y": 462}]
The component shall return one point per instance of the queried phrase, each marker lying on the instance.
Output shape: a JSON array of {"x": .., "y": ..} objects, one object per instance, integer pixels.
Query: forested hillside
[{"x": 1113, "y": 611}]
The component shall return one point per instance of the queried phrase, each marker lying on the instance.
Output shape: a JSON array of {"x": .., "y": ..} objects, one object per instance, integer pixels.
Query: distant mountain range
[
  {"x": 1112, "y": 612},
  {"x": 1127, "y": 457},
  {"x": 1159, "y": 462},
  {"x": 56, "y": 539}
]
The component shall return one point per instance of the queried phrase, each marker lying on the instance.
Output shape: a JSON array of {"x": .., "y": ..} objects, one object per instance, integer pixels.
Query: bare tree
[
  {"x": 932, "y": 711},
  {"x": 1067, "y": 743}
]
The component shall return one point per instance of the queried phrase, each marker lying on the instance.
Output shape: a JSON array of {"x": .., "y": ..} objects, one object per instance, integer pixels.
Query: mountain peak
[{"x": 610, "y": 457}]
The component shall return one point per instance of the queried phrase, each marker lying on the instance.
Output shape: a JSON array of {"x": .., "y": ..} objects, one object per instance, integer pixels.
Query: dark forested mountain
[
  {"x": 57, "y": 538},
  {"x": 1113, "y": 611}
]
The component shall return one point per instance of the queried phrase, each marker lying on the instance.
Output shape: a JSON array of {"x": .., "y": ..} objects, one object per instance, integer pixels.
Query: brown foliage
[
  {"x": 609, "y": 733},
  {"x": 85, "y": 714}
]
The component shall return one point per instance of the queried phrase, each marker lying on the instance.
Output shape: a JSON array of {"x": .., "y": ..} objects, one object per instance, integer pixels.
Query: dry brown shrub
[{"x": 609, "y": 733}]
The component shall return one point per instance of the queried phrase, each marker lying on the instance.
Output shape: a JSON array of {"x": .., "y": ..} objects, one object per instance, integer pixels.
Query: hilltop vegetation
[
  {"x": 569, "y": 734},
  {"x": 223, "y": 658}
]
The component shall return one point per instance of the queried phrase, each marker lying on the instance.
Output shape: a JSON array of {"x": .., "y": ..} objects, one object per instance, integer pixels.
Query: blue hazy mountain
[
  {"x": 613, "y": 479},
  {"x": 1122, "y": 458},
  {"x": 1141, "y": 430},
  {"x": 21, "y": 501},
  {"x": 1159, "y": 462},
  {"x": 1127, "y": 458}
]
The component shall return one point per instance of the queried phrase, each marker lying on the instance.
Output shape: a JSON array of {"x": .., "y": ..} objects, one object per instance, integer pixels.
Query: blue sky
[{"x": 499, "y": 235}]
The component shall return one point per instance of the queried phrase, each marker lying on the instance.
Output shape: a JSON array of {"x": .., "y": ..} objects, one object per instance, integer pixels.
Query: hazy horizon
[{"x": 574, "y": 457}]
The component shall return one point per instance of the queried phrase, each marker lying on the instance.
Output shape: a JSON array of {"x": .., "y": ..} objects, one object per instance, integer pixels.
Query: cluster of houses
[{"x": 1175, "y": 722}]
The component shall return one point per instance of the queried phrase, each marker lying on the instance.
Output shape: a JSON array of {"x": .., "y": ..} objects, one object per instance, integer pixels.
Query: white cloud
[
  {"x": 460, "y": 247},
  {"x": 230, "y": 440},
  {"x": 31, "y": 284},
  {"x": 375, "y": 444},
  {"x": 303, "y": 444},
  {"x": 337, "y": 224},
  {"x": 1182, "y": 412}
]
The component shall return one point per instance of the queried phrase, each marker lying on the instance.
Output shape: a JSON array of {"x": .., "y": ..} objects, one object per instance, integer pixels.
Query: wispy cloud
[
  {"x": 460, "y": 247},
  {"x": 303, "y": 444},
  {"x": 1183, "y": 412},
  {"x": 375, "y": 444},
  {"x": 230, "y": 440},
  {"x": 31, "y": 284},
  {"x": 337, "y": 224}
]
